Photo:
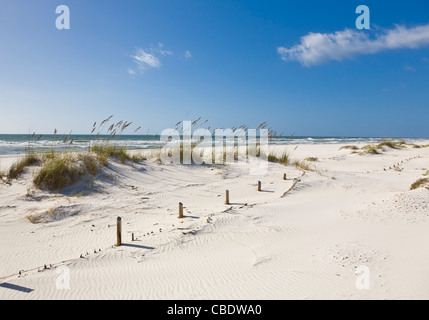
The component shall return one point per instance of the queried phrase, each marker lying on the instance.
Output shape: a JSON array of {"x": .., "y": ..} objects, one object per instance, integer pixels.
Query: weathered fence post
[
  {"x": 227, "y": 197},
  {"x": 119, "y": 232},
  {"x": 259, "y": 186},
  {"x": 180, "y": 210}
]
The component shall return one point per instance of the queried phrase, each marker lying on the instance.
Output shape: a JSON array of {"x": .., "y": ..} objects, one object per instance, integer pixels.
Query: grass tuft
[
  {"x": 378, "y": 148},
  {"x": 106, "y": 150},
  {"x": 349, "y": 147},
  {"x": 91, "y": 163},
  {"x": 18, "y": 168},
  {"x": 392, "y": 144},
  {"x": 419, "y": 183},
  {"x": 284, "y": 159},
  {"x": 370, "y": 149},
  {"x": 136, "y": 158},
  {"x": 302, "y": 165},
  {"x": 59, "y": 172}
]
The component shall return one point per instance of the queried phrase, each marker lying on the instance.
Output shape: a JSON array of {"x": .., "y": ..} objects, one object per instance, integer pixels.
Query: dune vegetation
[
  {"x": 59, "y": 169},
  {"x": 18, "y": 168},
  {"x": 283, "y": 159},
  {"x": 422, "y": 182},
  {"x": 56, "y": 169},
  {"x": 380, "y": 147}
]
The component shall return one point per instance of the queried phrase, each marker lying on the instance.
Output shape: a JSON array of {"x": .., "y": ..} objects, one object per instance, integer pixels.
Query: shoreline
[{"x": 81, "y": 143}]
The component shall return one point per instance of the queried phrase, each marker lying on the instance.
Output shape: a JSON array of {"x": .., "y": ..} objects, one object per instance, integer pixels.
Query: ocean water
[{"x": 17, "y": 143}]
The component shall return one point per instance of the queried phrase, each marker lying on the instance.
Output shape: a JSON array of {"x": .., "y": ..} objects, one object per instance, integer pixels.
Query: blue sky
[{"x": 233, "y": 62}]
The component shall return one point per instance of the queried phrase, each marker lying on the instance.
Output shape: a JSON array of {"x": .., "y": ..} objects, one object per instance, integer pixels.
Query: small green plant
[
  {"x": 123, "y": 155},
  {"x": 391, "y": 144},
  {"x": 34, "y": 218},
  {"x": 302, "y": 165},
  {"x": 91, "y": 163},
  {"x": 370, "y": 149},
  {"x": 379, "y": 148},
  {"x": 136, "y": 158},
  {"x": 272, "y": 158},
  {"x": 53, "y": 214},
  {"x": 106, "y": 150},
  {"x": 18, "y": 168},
  {"x": 51, "y": 154},
  {"x": 349, "y": 147},
  {"x": 59, "y": 172},
  {"x": 311, "y": 159},
  {"x": 283, "y": 159},
  {"x": 419, "y": 183}
]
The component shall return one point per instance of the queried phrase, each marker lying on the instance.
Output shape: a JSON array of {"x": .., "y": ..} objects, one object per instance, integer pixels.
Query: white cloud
[
  {"x": 161, "y": 51},
  {"x": 188, "y": 54},
  {"x": 148, "y": 58},
  {"x": 316, "y": 48},
  {"x": 145, "y": 60},
  {"x": 409, "y": 68}
]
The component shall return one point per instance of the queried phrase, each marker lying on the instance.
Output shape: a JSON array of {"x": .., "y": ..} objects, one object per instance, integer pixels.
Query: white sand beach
[{"x": 349, "y": 211}]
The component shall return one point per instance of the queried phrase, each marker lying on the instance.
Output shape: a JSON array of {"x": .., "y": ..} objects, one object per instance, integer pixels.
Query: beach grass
[
  {"x": 283, "y": 159},
  {"x": 302, "y": 165},
  {"x": 18, "y": 168},
  {"x": 105, "y": 150},
  {"x": 370, "y": 149},
  {"x": 52, "y": 214},
  {"x": 349, "y": 148},
  {"x": 380, "y": 147},
  {"x": 90, "y": 162},
  {"x": 51, "y": 154},
  {"x": 34, "y": 218},
  {"x": 391, "y": 144},
  {"x": 419, "y": 183},
  {"x": 61, "y": 171},
  {"x": 40, "y": 217},
  {"x": 136, "y": 158},
  {"x": 311, "y": 159}
]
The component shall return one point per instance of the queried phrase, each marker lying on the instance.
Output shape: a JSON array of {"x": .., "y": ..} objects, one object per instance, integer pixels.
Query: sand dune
[{"x": 349, "y": 211}]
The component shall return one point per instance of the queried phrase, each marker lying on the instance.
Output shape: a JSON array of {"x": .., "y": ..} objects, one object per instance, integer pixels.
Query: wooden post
[
  {"x": 284, "y": 177},
  {"x": 259, "y": 186},
  {"x": 119, "y": 232},
  {"x": 132, "y": 236},
  {"x": 180, "y": 210},
  {"x": 227, "y": 197}
]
